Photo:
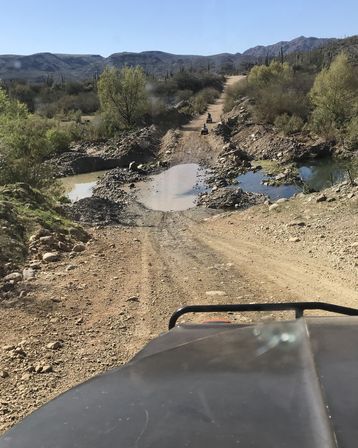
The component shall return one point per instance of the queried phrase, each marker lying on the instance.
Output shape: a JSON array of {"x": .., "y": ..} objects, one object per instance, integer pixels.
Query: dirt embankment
[{"x": 92, "y": 310}]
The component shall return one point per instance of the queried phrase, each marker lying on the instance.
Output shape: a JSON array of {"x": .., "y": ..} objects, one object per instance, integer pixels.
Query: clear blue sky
[{"x": 181, "y": 26}]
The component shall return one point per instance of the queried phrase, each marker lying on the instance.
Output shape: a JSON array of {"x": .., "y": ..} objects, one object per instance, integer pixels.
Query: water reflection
[
  {"x": 81, "y": 186},
  {"x": 174, "y": 189}
]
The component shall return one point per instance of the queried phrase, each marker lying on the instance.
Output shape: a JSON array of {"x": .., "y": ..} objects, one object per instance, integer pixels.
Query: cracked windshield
[{"x": 178, "y": 224}]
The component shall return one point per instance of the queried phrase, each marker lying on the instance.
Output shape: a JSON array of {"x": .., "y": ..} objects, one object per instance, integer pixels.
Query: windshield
[{"x": 155, "y": 155}]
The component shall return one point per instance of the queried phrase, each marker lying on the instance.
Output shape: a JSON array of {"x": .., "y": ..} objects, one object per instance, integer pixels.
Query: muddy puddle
[
  {"x": 316, "y": 175},
  {"x": 81, "y": 186},
  {"x": 174, "y": 189},
  {"x": 178, "y": 187}
]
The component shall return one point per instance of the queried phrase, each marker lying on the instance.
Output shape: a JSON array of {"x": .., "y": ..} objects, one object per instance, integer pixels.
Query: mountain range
[{"x": 38, "y": 67}]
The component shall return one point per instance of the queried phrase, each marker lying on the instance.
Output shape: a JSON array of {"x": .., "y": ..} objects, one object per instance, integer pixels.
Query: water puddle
[
  {"x": 251, "y": 182},
  {"x": 174, "y": 189},
  {"x": 316, "y": 175},
  {"x": 324, "y": 173},
  {"x": 81, "y": 185},
  {"x": 179, "y": 187}
]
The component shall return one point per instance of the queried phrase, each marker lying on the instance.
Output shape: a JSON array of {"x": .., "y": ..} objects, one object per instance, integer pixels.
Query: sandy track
[{"x": 202, "y": 149}]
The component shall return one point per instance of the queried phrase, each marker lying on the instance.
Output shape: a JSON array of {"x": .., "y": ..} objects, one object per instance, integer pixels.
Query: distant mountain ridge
[
  {"x": 300, "y": 44},
  {"x": 39, "y": 66}
]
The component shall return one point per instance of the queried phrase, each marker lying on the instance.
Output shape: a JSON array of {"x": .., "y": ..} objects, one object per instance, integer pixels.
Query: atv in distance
[
  {"x": 204, "y": 130},
  {"x": 209, "y": 118},
  {"x": 286, "y": 383}
]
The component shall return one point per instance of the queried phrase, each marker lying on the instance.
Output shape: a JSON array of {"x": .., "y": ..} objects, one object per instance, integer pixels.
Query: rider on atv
[
  {"x": 209, "y": 118},
  {"x": 204, "y": 130}
]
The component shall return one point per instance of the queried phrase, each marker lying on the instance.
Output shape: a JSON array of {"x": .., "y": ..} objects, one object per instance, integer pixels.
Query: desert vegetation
[{"x": 324, "y": 103}]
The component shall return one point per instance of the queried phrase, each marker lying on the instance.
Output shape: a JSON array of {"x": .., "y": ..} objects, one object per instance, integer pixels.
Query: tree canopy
[{"x": 122, "y": 94}]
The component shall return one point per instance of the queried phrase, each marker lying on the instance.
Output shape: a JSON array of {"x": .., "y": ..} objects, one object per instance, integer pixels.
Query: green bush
[
  {"x": 183, "y": 95},
  {"x": 276, "y": 90},
  {"x": 123, "y": 95},
  {"x": 26, "y": 142},
  {"x": 235, "y": 92},
  {"x": 351, "y": 134},
  {"x": 201, "y": 100},
  {"x": 275, "y": 100},
  {"x": 334, "y": 96},
  {"x": 59, "y": 140},
  {"x": 289, "y": 124}
]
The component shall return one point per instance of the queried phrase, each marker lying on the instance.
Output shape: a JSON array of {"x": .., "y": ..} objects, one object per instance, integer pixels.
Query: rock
[
  {"x": 62, "y": 246},
  {"x": 98, "y": 211},
  {"x": 20, "y": 352},
  {"x": 133, "y": 166},
  {"x": 47, "y": 239},
  {"x": 4, "y": 374},
  {"x": 14, "y": 276},
  {"x": 47, "y": 368},
  {"x": 215, "y": 293},
  {"x": 350, "y": 195},
  {"x": 33, "y": 238},
  {"x": 54, "y": 345},
  {"x": 8, "y": 348},
  {"x": 331, "y": 199},
  {"x": 26, "y": 376},
  {"x": 50, "y": 257},
  {"x": 355, "y": 244},
  {"x": 224, "y": 198},
  {"x": 71, "y": 267},
  {"x": 79, "y": 247},
  {"x": 43, "y": 232},
  {"x": 321, "y": 198},
  {"x": 35, "y": 265},
  {"x": 28, "y": 273},
  {"x": 274, "y": 206},
  {"x": 281, "y": 200},
  {"x": 133, "y": 299},
  {"x": 79, "y": 321},
  {"x": 294, "y": 239},
  {"x": 296, "y": 223},
  {"x": 38, "y": 369}
]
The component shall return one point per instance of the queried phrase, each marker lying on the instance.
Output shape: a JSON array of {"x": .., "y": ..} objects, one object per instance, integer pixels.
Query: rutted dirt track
[{"x": 121, "y": 291}]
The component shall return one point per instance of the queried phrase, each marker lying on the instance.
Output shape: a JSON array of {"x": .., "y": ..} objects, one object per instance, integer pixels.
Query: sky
[{"x": 182, "y": 26}]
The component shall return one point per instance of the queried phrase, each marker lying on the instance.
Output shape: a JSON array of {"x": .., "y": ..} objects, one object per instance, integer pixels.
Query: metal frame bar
[{"x": 298, "y": 307}]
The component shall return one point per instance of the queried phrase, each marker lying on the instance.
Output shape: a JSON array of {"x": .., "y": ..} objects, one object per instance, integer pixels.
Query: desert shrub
[
  {"x": 289, "y": 124},
  {"x": 351, "y": 134},
  {"x": 123, "y": 95},
  {"x": 59, "y": 139},
  {"x": 184, "y": 85},
  {"x": 201, "y": 100},
  {"x": 276, "y": 90},
  {"x": 26, "y": 141},
  {"x": 235, "y": 92},
  {"x": 334, "y": 96},
  {"x": 275, "y": 100},
  {"x": 183, "y": 95}
]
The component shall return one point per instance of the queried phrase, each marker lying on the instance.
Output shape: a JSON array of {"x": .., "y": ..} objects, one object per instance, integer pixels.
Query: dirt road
[
  {"x": 195, "y": 148},
  {"x": 104, "y": 304}
]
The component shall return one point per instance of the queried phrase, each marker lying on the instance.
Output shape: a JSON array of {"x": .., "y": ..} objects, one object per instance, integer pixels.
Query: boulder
[
  {"x": 50, "y": 257},
  {"x": 28, "y": 273},
  {"x": 79, "y": 247},
  {"x": 14, "y": 277}
]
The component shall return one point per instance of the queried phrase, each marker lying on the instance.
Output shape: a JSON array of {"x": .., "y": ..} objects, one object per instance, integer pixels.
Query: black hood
[{"x": 275, "y": 385}]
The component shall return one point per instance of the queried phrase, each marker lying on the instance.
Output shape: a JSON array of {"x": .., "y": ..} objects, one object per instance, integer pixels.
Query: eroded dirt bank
[{"x": 94, "y": 309}]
